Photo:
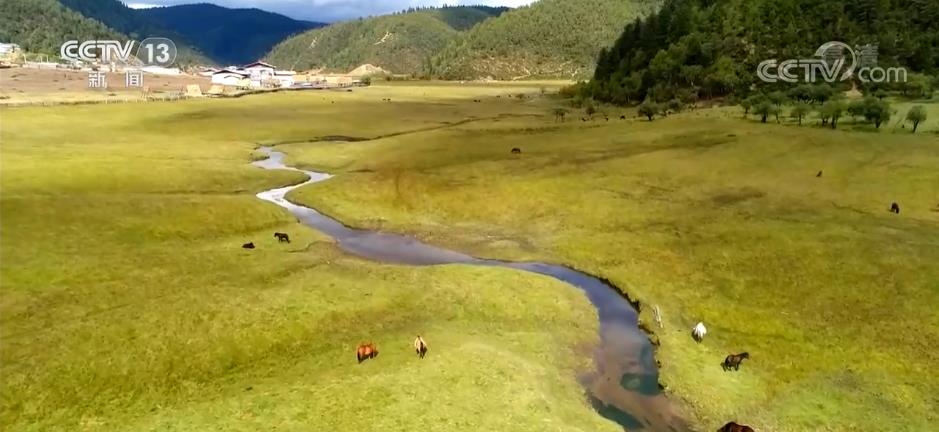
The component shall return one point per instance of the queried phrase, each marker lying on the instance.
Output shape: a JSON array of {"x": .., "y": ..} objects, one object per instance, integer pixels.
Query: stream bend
[{"x": 624, "y": 387}]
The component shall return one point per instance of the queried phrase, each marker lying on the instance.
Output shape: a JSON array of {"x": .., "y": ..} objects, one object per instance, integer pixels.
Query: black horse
[
  {"x": 895, "y": 208},
  {"x": 282, "y": 237},
  {"x": 733, "y": 361},
  {"x": 248, "y": 246}
]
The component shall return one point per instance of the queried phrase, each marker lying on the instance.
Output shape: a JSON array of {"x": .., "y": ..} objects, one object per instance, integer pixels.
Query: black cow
[
  {"x": 516, "y": 150},
  {"x": 247, "y": 246},
  {"x": 895, "y": 208},
  {"x": 282, "y": 237}
]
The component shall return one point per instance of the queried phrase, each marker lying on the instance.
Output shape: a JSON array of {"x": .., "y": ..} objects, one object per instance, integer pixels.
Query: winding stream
[{"x": 623, "y": 387}]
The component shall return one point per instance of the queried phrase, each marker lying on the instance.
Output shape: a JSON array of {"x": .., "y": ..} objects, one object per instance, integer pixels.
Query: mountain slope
[
  {"x": 229, "y": 36},
  {"x": 129, "y": 22},
  {"x": 401, "y": 43},
  {"x": 41, "y": 26},
  {"x": 547, "y": 38},
  {"x": 713, "y": 47}
]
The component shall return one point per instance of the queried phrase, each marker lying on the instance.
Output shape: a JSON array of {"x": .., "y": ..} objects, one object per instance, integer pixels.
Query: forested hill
[
  {"x": 550, "y": 38},
  {"x": 229, "y": 36},
  {"x": 401, "y": 43},
  {"x": 713, "y": 47},
  {"x": 131, "y": 23},
  {"x": 41, "y": 26},
  {"x": 203, "y": 33}
]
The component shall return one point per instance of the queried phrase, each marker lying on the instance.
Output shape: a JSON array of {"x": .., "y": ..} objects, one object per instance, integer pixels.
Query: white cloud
[
  {"x": 141, "y": 5},
  {"x": 329, "y": 10}
]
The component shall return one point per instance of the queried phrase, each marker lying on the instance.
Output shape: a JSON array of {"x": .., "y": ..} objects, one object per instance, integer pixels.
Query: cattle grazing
[
  {"x": 420, "y": 346},
  {"x": 248, "y": 246},
  {"x": 282, "y": 237},
  {"x": 733, "y": 361},
  {"x": 606, "y": 118},
  {"x": 366, "y": 351},
  {"x": 735, "y": 427},
  {"x": 895, "y": 208},
  {"x": 819, "y": 174},
  {"x": 699, "y": 331},
  {"x": 583, "y": 119},
  {"x": 516, "y": 151},
  {"x": 622, "y": 117}
]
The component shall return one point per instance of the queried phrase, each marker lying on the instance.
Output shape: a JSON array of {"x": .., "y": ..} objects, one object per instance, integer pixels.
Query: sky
[{"x": 327, "y": 10}]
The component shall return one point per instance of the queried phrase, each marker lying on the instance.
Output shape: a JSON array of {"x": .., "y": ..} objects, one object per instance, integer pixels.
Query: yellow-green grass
[
  {"x": 712, "y": 218},
  {"x": 128, "y": 304}
]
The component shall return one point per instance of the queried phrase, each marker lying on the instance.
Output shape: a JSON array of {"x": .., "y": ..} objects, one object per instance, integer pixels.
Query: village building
[{"x": 228, "y": 77}]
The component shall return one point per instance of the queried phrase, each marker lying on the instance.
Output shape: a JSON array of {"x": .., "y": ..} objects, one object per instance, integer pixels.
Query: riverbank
[{"x": 710, "y": 218}]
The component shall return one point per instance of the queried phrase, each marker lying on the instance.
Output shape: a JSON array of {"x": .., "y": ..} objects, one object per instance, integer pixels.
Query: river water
[{"x": 623, "y": 387}]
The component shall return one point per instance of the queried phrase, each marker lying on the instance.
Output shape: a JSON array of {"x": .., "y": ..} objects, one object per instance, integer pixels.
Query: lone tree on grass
[
  {"x": 765, "y": 109},
  {"x": 674, "y": 105},
  {"x": 590, "y": 108},
  {"x": 649, "y": 109},
  {"x": 916, "y": 115},
  {"x": 832, "y": 111},
  {"x": 877, "y": 111},
  {"x": 800, "y": 111}
]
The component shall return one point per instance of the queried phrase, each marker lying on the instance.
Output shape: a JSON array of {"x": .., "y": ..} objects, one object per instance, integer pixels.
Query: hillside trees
[{"x": 714, "y": 46}]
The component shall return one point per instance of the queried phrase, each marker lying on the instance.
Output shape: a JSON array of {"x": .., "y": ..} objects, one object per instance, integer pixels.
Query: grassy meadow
[
  {"x": 128, "y": 304},
  {"x": 712, "y": 218}
]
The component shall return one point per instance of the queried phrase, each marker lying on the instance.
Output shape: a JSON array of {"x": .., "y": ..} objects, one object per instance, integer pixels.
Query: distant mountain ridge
[
  {"x": 204, "y": 33},
  {"x": 403, "y": 42},
  {"x": 549, "y": 38},
  {"x": 228, "y": 36}
]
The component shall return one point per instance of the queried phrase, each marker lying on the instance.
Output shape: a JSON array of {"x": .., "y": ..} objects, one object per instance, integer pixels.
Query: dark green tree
[
  {"x": 800, "y": 110},
  {"x": 916, "y": 115}
]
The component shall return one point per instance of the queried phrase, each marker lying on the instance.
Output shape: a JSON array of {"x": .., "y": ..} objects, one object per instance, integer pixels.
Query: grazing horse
[
  {"x": 699, "y": 331},
  {"x": 733, "y": 361},
  {"x": 516, "y": 150},
  {"x": 420, "y": 346},
  {"x": 895, "y": 208},
  {"x": 366, "y": 351},
  {"x": 248, "y": 246},
  {"x": 282, "y": 237},
  {"x": 735, "y": 427}
]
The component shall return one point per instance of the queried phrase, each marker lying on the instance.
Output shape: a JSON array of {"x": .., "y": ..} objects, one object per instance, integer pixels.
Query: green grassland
[
  {"x": 128, "y": 305},
  {"x": 711, "y": 217}
]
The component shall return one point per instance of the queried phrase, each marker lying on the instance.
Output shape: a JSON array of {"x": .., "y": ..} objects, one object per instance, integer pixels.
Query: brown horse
[
  {"x": 366, "y": 351},
  {"x": 733, "y": 361},
  {"x": 734, "y": 427},
  {"x": 420, "y": 346}
]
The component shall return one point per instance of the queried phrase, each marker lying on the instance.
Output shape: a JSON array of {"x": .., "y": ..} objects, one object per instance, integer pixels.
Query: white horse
[
  {"x": 698, "y": 331},
  {"x": 420, "y": 346}
]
